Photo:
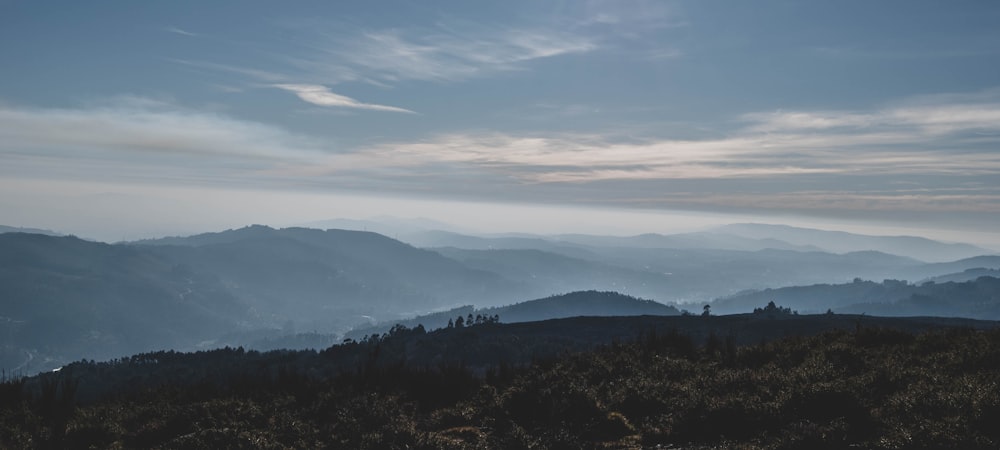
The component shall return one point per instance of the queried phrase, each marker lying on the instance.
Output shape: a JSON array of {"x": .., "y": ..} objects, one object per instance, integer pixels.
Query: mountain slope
[
  {"x": 62, "y": 298},
  {"x": 543, "y": 273},
  {"x": 314, "y": 276}
]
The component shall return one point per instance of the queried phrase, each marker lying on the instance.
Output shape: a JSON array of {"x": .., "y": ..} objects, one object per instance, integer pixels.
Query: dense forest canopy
[{"x": 870, "y": 387}]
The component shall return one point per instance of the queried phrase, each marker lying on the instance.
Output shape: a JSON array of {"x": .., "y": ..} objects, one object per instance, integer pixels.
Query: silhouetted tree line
[
  {"x": 469, "y": 320},
  {"x": 771, "y": 309}
]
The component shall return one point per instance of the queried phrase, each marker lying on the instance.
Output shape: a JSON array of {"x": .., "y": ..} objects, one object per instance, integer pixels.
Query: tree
[
  {"x": 707, "y": 311},
  {"x": 459, "y": 322},
  {"x": 772, "y": 309}
]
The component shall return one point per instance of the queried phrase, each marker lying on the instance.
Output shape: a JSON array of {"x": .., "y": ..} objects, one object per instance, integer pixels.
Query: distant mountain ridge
[
  {"x": 842, "y": 242},
  {"x": 965, "y": 275},
  {"x": 8, "y": 229},
  {"x": 63, "y": 298},
  {"x": 697, "y": 240},
  {"x": 978, "y": 298}
]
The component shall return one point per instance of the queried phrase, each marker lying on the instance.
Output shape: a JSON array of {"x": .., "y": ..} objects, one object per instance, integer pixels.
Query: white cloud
[
  {"x": 922, "y": 119},
  {"x": 179, "y": 31},
  {"x": 256, "y": 74},
  {"x": 136, "y": 137},
  {"x": 445, "y": 53},
  {"x": 320, "y": 95}
]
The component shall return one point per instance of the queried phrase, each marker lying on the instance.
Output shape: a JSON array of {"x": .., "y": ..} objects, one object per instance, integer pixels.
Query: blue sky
[{"x": 120, "y": 119}]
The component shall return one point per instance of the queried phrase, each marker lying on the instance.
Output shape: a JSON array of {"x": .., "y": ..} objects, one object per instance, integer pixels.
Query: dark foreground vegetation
[{"x": 869, "y": 387}]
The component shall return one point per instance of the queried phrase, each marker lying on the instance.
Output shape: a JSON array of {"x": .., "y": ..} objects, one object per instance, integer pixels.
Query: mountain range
[
  {"x": 842, "y": 242},
  {"x": 63, "y": 298}
]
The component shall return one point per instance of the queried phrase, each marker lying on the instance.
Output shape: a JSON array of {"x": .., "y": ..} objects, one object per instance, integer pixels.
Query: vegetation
[
  {"x": 865, "y": 387},
  {"x": 773, "y": 309}
]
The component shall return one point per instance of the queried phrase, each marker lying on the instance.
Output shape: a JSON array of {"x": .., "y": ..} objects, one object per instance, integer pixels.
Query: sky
[{"x": 128, "y": 119}]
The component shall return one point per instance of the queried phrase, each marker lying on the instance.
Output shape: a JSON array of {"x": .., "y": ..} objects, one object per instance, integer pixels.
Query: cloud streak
[
  {"x": 181, "y": 32},
  {"x": 321, "y": 96},
  {"x": 447, "y": 53},
  {"x": 137, "y": 138}
]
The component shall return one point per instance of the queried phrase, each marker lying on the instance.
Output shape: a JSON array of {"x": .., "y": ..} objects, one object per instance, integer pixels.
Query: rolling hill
[
  {"x": 574, "y": 304},
  {"x": 64, "y": 298}
]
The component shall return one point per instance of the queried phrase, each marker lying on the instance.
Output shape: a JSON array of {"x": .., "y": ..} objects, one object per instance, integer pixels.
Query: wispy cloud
[
  {"x": 130, "y": 137},
  {"x": 630, "y": 14},
  {"x": 255, "y": 74},
  {"x": 442, "y": 53},
  {"x": 446, "y": 53},
  {"x": 320, "y": 95},
  {"x": 922, "y": 119},
  {"x": 179, "y": 31}
]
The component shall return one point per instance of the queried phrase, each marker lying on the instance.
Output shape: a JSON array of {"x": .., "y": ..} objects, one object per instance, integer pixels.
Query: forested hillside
[{"x": 863, "y": 387}]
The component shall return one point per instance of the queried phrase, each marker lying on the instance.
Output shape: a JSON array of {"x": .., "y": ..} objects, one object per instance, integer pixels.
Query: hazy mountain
[
  {"x": 7, "y": 229},
  {"x": 699, "y": 275},
  {"x": 315, "y": 276},
  {"x": 395, "y": 227},
  {"x": 842, "y": 242},
  {"x": 221, "y": 288},
  {"x": 978, "y": 299},
  {"x": 543, "y": 273},
  {"x": 935, "y": 269},
  {"x": 439, "y": 238},
  {"x": 666, "y": 274},
  {"x": 700, "y": 240},
  {"x": 62, "y": 298},
  {"x": 691, "y": 267},
  {"x": 965, "y": 275}
]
